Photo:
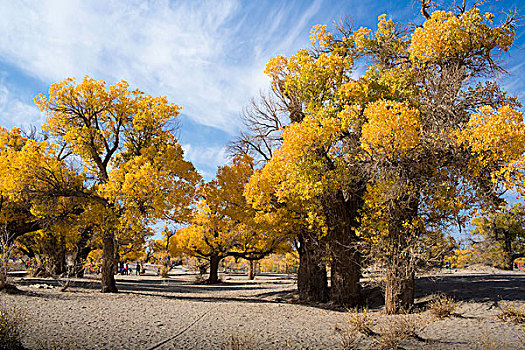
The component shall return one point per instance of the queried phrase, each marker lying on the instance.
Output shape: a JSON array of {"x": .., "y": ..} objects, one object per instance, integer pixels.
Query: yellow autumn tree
[
  {"x": 28, "y": 166},
  {"x": 224, "y": 224},
  {"x": 134, "y": 165},
  {"x": 379, "y": 153}
]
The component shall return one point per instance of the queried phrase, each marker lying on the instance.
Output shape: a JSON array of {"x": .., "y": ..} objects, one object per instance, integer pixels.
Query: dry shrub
[
  {"x": 442, "y": 306},
  {"x": 239, "y": 342},
  {"x": 163, "y": 271},
  {"x": 487, "y": 342},
  {"x": 11, "y": 326},
  {"x": 358, "y": 323},
  {"x": 511, "y": 312},
  {"x": 399, "y": 328}
]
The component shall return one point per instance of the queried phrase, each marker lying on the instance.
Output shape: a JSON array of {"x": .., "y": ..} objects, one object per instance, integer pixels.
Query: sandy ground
[{"x": 175, "y": 313}]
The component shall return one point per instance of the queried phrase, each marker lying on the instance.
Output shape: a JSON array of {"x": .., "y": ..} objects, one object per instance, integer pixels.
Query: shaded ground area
[
  {"x": 475, "y": 287},
  {"x": 176, "y": 313}
]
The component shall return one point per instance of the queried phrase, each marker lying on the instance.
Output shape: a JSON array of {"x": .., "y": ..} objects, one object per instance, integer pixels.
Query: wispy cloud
[
  {"x": 14, "y": 112},
  {"x": 206, "y": 158},
  {"x": 190, "y": 51}
]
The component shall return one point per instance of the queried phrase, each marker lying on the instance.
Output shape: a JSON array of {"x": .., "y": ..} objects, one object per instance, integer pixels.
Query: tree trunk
[
  {"x": 251, "y": 271},
  {"x": 345, "y": 258},
  {"x": 108, "y": 264},
  {"x": 311, "y": 276},
  {"x": 401, "y": 264},
  {"x": 509, "y": 254},
  {"x": 214, "y": 269},
  {"x": 83, "y": 251},
  {"x": 3, "y": 272},
  {"x": 59, "y": 264},
  {"x": 399, "y": 290}
]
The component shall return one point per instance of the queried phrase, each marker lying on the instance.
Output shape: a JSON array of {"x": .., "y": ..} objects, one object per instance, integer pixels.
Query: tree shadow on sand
[{"x": 478, "y": 287}]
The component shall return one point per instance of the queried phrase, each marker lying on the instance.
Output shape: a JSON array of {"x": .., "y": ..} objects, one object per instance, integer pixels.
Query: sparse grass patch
[
  {"x": 399, "y": 328},
  {"x": 11, "y": 327},
  {"x": 442, "y": 306},
  {"x": 511, "y": 312},
  {"x": 487, "y": 342},
  {"x": 239, "y": 342},
  {"x": 358, "y": 324}
]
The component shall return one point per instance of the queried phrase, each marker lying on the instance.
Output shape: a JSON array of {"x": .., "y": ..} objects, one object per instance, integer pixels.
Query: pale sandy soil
[{"x": 175, "y": 313}]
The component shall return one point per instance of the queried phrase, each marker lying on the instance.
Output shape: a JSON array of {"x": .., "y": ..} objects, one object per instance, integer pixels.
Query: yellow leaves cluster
[
  {"x": 321, "y": 36},
  {"x": 392, "y": 128},
  {"x": 496, "y": 137},
  {"x": 447, "y": 35},
  {"x": 501, "y": 131},
  {"x": 35, "y": 170},
  {"x": 11, "y": 139}
]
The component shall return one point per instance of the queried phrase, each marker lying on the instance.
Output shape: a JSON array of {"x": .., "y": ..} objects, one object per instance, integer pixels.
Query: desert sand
[{"x": 150, "y": 312}]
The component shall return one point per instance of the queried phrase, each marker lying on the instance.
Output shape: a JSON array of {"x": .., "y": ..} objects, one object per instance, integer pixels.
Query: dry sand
[{"x": 175, "y": 313}]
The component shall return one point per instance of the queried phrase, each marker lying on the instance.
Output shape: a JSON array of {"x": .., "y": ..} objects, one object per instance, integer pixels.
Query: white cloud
[
  {"x": 205, "y": 158},
  {"x": 186, "y": 50},
  {"x": 14, "y": 112}
]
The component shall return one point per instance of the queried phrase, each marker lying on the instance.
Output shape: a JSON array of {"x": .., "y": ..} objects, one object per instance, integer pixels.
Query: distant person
[
  {"x": 137, "y": 269},
  {"x": 127, "y": 269}
]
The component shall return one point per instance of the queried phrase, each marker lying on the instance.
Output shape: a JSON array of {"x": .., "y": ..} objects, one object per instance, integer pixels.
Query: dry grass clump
[
  {"x": 442, "y": 306},
  {"x": 511, "y": 312},
  {"x": 11, "y": 326},
  {"x": 358, "y": 324},
  {"x": 487, "y": 342},
  {"x": 239, "y": 342},
  {"x": 399, "y": 328},
  {"x": 390, "y": 332},
  {"x": 164, "y": 271}
]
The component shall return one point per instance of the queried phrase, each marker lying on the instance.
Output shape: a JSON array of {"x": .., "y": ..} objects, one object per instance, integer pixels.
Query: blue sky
[{"x": 207, "y": 56}]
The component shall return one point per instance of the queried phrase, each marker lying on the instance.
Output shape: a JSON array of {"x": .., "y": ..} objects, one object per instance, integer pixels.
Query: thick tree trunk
[
  {"x": 345, "y": 258},
  {"x": 399, "y": 290},
  {"x": 311, "y": 276},
  {"x": 59, "y": 267},
  {"x": 401, "y": 264},
  {"x": 83, "y": 251},
  {"x": 214, "y": 269},
  {"x": 251, "y": 272},
  {"x": 108, "y": 264}
]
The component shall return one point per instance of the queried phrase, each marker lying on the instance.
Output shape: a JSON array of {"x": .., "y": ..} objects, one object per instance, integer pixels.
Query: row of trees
[
  {"x": 352, "y": 169},
  {"x": 372, "y": 168},
  {"x": 108, "y": 167}
]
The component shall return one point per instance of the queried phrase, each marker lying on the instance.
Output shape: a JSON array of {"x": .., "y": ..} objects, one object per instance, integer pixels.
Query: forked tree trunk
[
  {"x": 108, "y": 264},
  {"x": 251, "y": 271},
  {"x": 311, "y": 277},
  {"x": 214, "y": 269}
]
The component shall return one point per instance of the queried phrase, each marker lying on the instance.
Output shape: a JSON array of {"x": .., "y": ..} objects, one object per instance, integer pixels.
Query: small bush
[
  {"x": 511, "y": 312},
  {"x": 488, "y": 342},
  {"x": 399, "y": 328},
  {"x": 238, "y": 342},
  {"x": 11, "y": 325},
  {"x": 442, "y": 306},
  {"x": 163, "y": 271},
  {"x": 358, "y": 323}
]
